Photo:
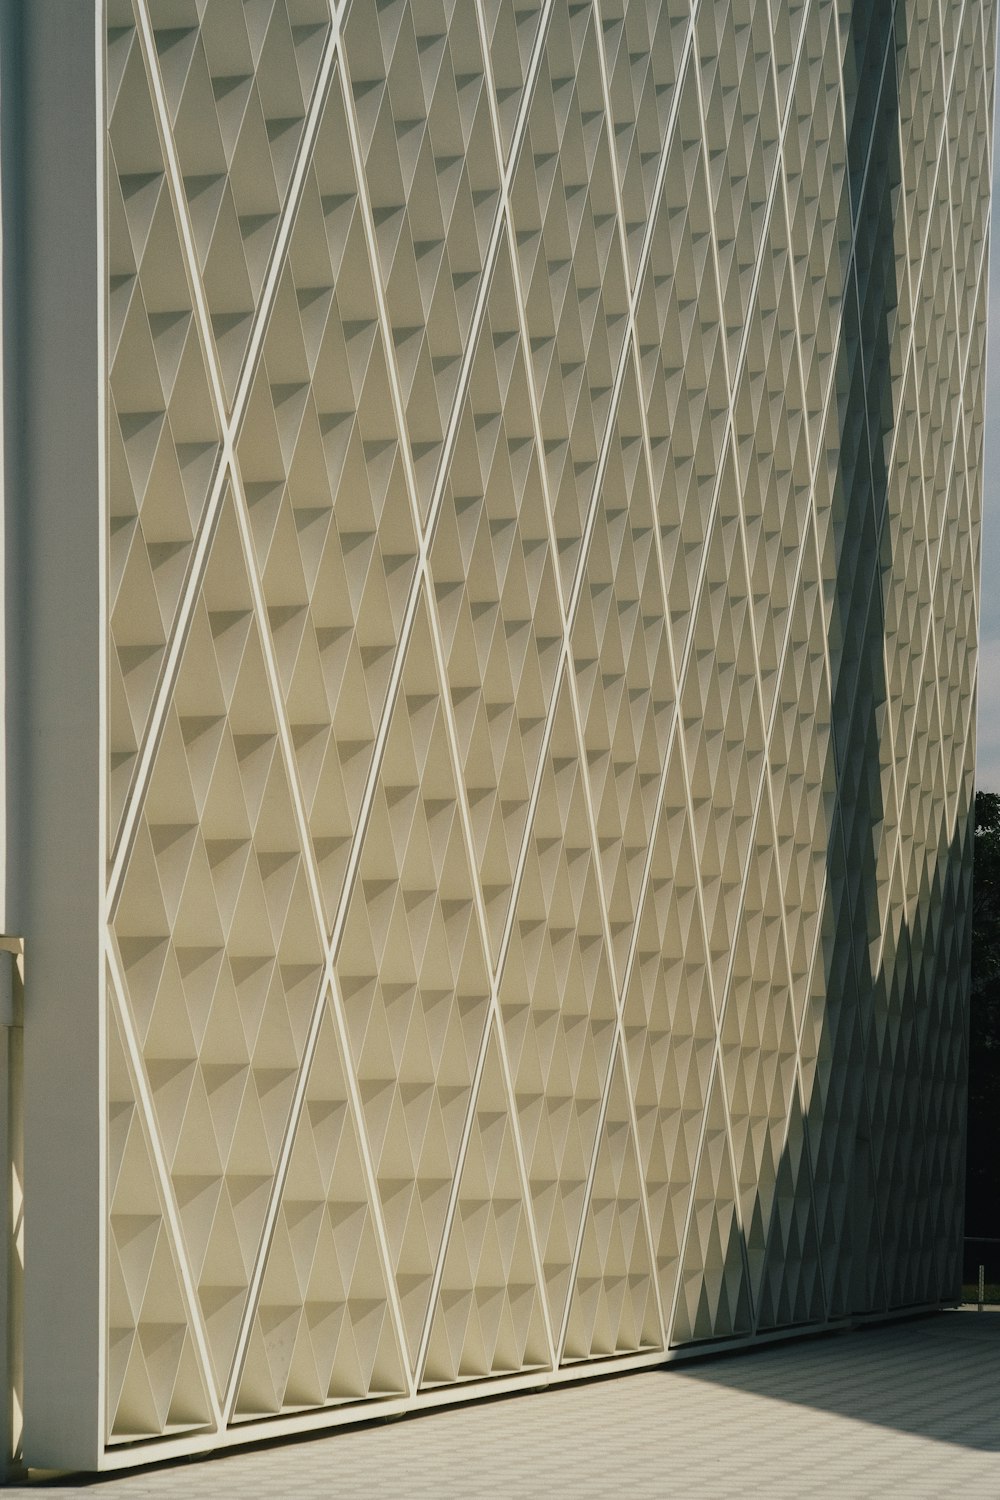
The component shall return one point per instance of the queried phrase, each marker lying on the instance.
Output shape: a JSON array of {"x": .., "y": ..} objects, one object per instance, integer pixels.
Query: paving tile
[{"x": 905, "y": 1409}]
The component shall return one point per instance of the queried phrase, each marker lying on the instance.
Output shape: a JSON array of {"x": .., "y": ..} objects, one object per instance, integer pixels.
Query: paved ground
[{"x": 905, "y": 1410}]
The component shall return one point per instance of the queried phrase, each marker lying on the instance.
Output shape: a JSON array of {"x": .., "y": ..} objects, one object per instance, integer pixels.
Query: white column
[{"x": 55, "y": 748}]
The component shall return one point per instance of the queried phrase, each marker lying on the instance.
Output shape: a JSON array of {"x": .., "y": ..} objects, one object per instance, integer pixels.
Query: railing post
[{"x": 11, "y": 1204}]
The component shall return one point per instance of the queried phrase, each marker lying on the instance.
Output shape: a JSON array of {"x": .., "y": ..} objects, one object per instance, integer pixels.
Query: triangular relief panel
[
  {"x": 419, "y": 94},
  {"x": 488, "y": 1318},
  {"x": 163, "y": 430},
  {"x": 155, "y": 1383},
  {"x": 557, "y": 1001},
  {"x": 496, "y": 599},
  {"x": 237, "y": 85},
  {"x": 669, "y": 1028},
  {"x": 333, "y": 535},
  {"x": 713, "y": 1299},
  {"x": 218, "y": 943},
  {"x": 613, "y": 1308},
  {"x": 322, "y": 1331},
  {"x": 414, "y": 980}
]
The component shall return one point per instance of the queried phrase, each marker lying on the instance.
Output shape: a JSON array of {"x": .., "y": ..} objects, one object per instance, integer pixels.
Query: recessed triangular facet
[
  {"x": 488, "y": 1317},
  {"x": 713, "y": 1297},
  {"x": 558, "y": 1005},
  {"x": 155, "y": 1383},
  {"x": 214, "y": 891},
  {"x": 163, "y": 433},
  {"x": 238, "y": 88},
  {"x": 414, "y": 980},
  {"x": 613, "y": 1306},
  {"x": 322, "y": 1331}
]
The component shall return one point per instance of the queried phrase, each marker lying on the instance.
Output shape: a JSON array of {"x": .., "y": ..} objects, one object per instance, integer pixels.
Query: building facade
[{"x": 492, "y": 530}]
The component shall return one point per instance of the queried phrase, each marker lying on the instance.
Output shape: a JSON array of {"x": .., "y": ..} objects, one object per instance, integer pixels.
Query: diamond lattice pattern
[{"x": 544, "y": 466}]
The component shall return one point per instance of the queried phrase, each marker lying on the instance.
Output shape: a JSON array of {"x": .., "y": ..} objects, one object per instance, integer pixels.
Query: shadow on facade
[
  {"x": 885, "y": 1117},
  {"x": 886, "y": 1114},
  {"x": 896, "y": 938}
]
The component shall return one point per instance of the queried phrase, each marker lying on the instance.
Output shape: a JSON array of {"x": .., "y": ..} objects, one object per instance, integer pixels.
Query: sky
[{"x": 988, "y": 741}]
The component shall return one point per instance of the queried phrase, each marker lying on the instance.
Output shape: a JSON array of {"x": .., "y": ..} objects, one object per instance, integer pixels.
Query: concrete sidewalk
[{"x": 910, "y": 1409}]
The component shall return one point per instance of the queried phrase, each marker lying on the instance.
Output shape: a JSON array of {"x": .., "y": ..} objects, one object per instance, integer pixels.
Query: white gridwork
[{"x": 544, "y": 452}]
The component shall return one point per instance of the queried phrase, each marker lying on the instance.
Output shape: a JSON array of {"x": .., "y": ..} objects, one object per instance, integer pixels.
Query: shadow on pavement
[{"x": 936, "y": 1377}]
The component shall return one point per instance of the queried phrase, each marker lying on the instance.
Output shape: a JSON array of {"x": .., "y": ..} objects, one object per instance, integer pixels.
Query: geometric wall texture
[{"x": 544, "y": 454}]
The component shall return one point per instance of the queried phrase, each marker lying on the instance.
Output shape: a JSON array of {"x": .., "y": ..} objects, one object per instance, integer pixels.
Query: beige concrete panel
[
  {"x": 543, "y": 460},
  {"x": 712, "y": 1295},
  {"x": 322, "y": 1333},
  {"x": 613, "y": 1307},
  {"x": 334, "y": 541},
  {"x": 557, "y": 1000},
  {"x": 497, "y": 605},
  {"x": 488, "y": 1318},
  {"x": 414, "y": 981},
  {"x": 155, "y": 1382},
  {"x": 217, "y": 943},
  {"x": 237, "y": 84}
]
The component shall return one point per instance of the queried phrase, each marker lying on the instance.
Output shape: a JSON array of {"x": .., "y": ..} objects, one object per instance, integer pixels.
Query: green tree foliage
[{"x": 982, "y": 1204}]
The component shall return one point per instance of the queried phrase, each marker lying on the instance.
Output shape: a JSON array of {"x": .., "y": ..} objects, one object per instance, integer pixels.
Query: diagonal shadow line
[
  {"x": 880, "y": 1376},
  {"x": 895, "y": 942},
  {"x": 903, "y": 1185}
]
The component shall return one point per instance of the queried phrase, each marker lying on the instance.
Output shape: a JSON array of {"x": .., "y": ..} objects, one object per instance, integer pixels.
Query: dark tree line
[{"x": 982, "y": 1200}]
